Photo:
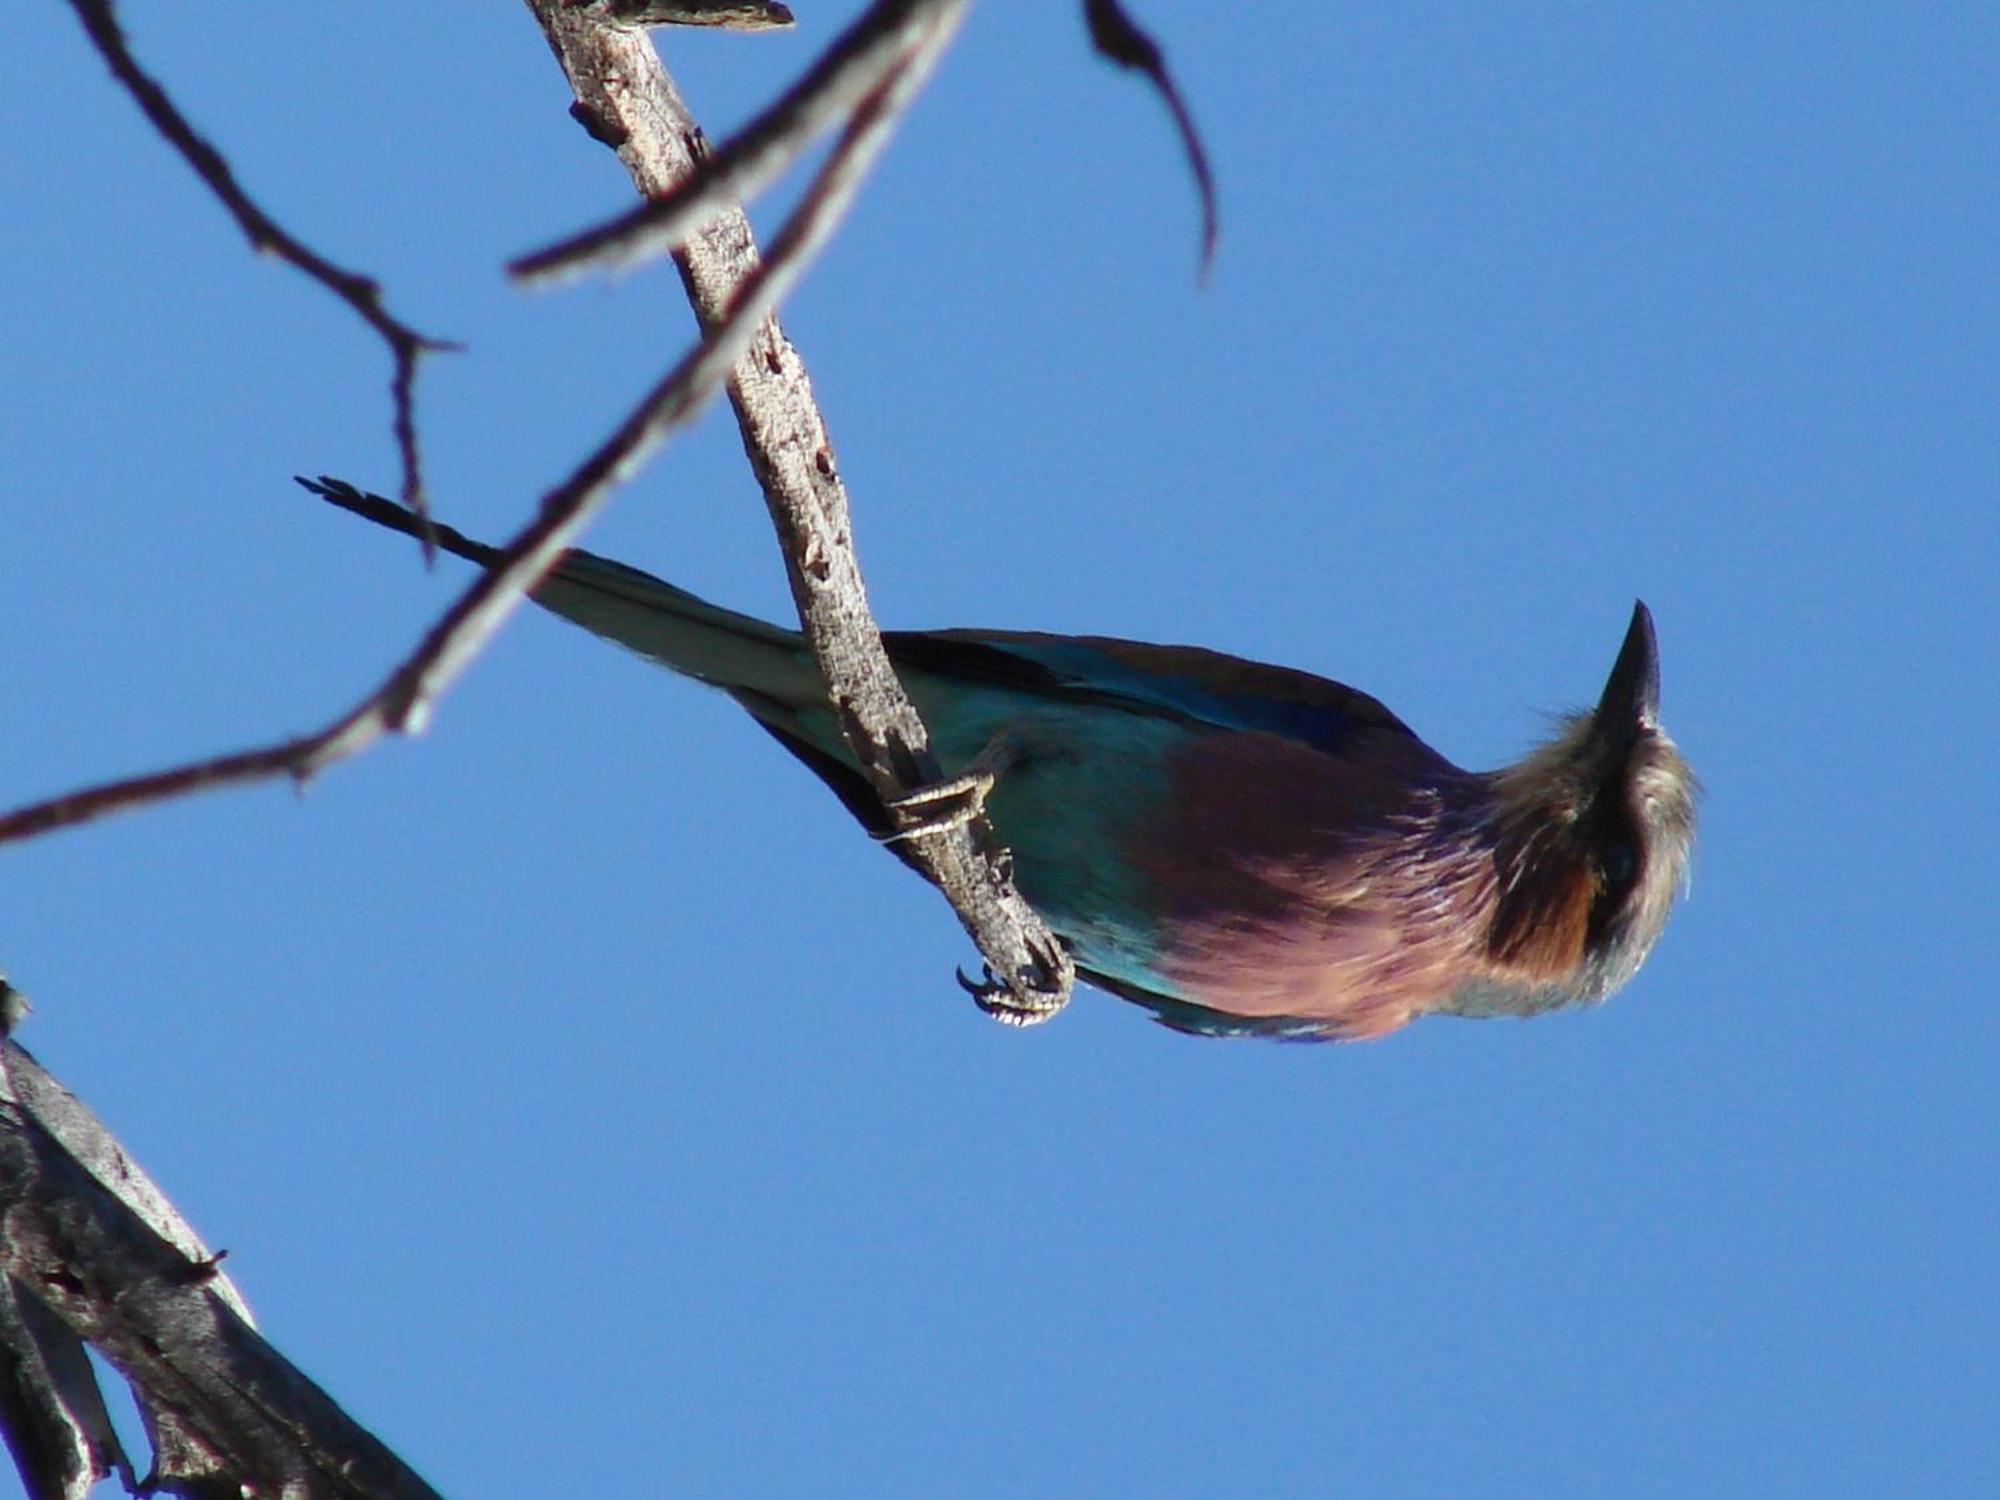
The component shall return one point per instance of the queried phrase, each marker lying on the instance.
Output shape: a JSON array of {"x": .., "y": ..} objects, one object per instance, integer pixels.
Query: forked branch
[
  {"x": 362, "y": 293},
  {"x": 92, "y": 1250},
  {"x": 858, "y": 63}
]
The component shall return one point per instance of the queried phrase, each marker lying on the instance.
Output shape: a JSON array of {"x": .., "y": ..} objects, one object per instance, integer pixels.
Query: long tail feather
[{"x": 633, "y": 608}]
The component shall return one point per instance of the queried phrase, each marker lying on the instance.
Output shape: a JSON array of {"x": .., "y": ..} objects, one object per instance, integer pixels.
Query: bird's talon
[
  {"x": 957, "y": 802},
  {"x": 1026, "y": 1005}
]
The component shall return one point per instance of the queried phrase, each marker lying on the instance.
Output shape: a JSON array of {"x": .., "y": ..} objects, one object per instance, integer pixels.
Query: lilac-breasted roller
[{"x": 1243, "y": 849}]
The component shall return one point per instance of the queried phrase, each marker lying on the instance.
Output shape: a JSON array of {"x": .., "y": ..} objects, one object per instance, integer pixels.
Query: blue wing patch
[{"x": 1184, "y": 682}]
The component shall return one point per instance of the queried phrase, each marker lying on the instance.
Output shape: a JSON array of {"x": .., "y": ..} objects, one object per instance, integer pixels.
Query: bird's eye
[{"x": 1617, "y": 864}]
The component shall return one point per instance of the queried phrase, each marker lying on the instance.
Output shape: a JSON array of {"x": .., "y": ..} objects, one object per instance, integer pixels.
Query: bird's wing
[
  {"x": 1200, "y": 1020},
  {"x": 651, "y": 616},
  {"x": 1182, "y": 681}
]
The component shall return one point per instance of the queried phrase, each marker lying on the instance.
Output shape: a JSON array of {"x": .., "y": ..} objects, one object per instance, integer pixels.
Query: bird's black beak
[{"x": 1631, "y": 702}]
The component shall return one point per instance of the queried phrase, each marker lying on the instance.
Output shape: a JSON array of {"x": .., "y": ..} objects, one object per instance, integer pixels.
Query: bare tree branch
[
  {"x": 620, "y": 80},
  {"x": 86, "y": 1236},
  {"x": 857, "y": 62},
  {"x": 362, "y": 293},
  {"x": 89, "y": 1248},
  {"x": 856, "y": 66},
  {"x": 736, "y": 15},
  {"x": 626, "y": 98},
  {"x": 404, "y": 700},
  {"x": 51, "y": 1411}
]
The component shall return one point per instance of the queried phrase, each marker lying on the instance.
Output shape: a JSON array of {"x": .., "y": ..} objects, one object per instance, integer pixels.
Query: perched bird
[{"x": 1243, "y": 849}]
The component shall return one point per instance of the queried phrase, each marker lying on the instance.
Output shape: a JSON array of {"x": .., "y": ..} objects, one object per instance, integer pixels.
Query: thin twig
[
  {"x": 857, "y": 62},
  {"x": 266, "y": 235},
  {"x": 404, "y": 700},
  {"x": 854, "y": 67},
  {"x": 1117, "y": 36},
  {"x": 290, "y": 758}
]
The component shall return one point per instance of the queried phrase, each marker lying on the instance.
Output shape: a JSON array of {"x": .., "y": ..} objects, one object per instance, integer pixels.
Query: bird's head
[{"x": 1592, "y": 836}]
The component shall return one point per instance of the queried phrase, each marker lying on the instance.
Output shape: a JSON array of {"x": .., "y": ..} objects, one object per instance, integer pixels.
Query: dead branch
[
  {"x": 626, "y": 99},
  {"x": 362, "y": 293},
  {"x": 404, "y": 700},
  {"x": 91, "y": 1251},
  {"x": 855, "y": 65},
  {"x": 89, "y": 1239},
  {"x": 736, "y": 15},
  {"x": 858, "y": 63},
  {"x": 1117, "y": 36}
]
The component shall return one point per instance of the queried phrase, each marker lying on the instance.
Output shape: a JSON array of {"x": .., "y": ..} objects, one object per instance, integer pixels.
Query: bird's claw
[
  {"x": 939, "y": 807},
  {"x": 1025, "y": 1004},
  {"x": 955, "y": 801}
]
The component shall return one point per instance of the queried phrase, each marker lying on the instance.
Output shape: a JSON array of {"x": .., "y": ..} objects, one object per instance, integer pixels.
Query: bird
[{"x": 1242, "y": 849}]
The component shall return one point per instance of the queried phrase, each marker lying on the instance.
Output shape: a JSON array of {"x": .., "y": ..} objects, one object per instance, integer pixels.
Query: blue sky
[{"x": 589, "y": 1106}]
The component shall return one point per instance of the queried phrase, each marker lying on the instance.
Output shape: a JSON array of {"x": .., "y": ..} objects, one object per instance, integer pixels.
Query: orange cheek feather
[{"x": 1539, "y": 930}]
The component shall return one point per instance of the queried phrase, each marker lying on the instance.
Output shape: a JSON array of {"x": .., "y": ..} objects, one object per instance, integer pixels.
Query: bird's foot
[
  {"x": 939, "y": 807},
  {"x": 1025, "y": 1004},
  {"x": 955, "y": 801}
]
